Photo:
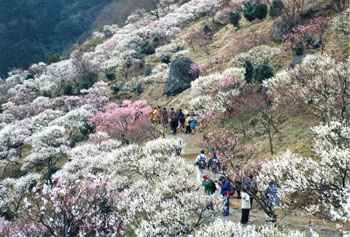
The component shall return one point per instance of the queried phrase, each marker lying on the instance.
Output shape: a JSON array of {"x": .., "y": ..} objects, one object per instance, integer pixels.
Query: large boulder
[{"x": 180, "y": 77}]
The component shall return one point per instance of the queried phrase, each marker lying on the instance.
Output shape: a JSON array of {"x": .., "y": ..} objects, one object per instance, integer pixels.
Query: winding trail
[{"x": 257, "y": 216}]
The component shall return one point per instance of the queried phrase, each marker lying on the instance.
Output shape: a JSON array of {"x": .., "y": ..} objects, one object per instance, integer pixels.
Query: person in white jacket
[{"x": 245, "y": 207}]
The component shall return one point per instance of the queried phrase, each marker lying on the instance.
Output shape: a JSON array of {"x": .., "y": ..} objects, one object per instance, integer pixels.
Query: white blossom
[{"x": 256, "y": 55}]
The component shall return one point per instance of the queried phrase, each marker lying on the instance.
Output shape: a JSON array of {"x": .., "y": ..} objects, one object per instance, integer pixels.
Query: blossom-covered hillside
[{"x": 83, "y": 152}]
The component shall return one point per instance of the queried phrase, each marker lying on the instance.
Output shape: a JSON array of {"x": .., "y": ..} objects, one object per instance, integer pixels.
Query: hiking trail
[{"x": 257, "y": 216}]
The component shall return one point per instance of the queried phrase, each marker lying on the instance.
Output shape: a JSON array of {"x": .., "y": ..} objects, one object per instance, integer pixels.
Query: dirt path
[{"x": 257, "y": 216}]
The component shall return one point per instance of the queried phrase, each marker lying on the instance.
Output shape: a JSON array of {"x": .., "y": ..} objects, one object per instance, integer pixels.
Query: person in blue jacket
[
  {"x": 225, "y": 192},
  {"x": 193, "y": 123}
]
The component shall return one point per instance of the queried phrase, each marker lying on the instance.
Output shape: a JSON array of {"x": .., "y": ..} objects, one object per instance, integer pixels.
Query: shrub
[
  {"x": 52, "y": 57},
  {"x": 235, "y": 17},
  {"x": 110, "y": 75},
  {"x": 117, "y": 87},
  {"x": 156, "y": 41},
  {"x": 249, "y": 12},
  {"x": 148, "y": 71},
  {"x": 165, "y": 59},
  {"x": 184, "y": 1},
  {"x": 52, "y": 169},
  {"x": 263, "y": 72},
  {"x": 260, "y": 11},
  {"x": 29, "y": 76},
  {"x": 276, "y": 8},
  {"x": 77, "y": 138},
  {"x": 87, "y": 81},
  {"x": 249, "y": 69},
  {"x": 147, "y": 48},
  {"x": 138, "y": 90},
  {"x": 207, "y": 30},
  {"x": 47, "y": 94},
  {"x": 68, "y": 90},
  {"x": 87, "y": 129},
  {"x": 90, "y": 79},
  {"x": 83, "y": 85}
]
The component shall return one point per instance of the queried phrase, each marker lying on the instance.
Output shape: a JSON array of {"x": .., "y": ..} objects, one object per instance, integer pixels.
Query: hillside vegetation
[{"x": 84, "y": 152}]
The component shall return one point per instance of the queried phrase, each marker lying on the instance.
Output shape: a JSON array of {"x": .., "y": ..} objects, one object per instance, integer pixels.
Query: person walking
[
  {"x": 154, "y": 116},
  {"x": 165, "y": 118},
  {"x": 209, "y": 188},
  {"x": 193, "y": 123},
  {"x": 159, "y": 115},
  {"x": 214, "y": 163},
  {"x": 181, "y": 118},
  {"x": 246, "y": 205},
  {"x": 209, "y": 185},
  {"x": 252, "y": 187},
  {"x": 174, "y": 124},
  {"x": 172, "y": 112},
  {"x": 188, "y": 125},
  {"x": 201, "y": 160},
  {"x": 225, "y": 192}
]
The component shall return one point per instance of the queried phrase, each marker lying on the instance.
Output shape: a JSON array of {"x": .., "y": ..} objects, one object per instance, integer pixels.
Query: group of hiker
[
  {"x": 228, "y": 188},
  {"x": 176, "y": 119}
]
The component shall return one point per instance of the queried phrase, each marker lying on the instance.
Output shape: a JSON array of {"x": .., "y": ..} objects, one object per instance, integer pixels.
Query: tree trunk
[{"x": 270, "y": 140}]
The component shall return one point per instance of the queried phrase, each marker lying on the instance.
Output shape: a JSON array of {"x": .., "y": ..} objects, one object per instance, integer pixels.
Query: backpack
[
  {"x": 201, "y": 163},
  {"x": 232, "y": 189},
  {"x": 214, "y": 163},
  {"x": 213, "y": 188}
]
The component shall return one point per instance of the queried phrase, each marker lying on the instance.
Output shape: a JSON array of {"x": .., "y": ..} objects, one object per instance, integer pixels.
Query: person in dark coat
[
  {"x": 214, "y": 163},
  {"x": 174, "y": 123},
  {"x": 225, "y": 192},
  {"x": 181, "y": 118},
  {"x": 165, "y": 117},
  {"x": 172, "y": 112}
]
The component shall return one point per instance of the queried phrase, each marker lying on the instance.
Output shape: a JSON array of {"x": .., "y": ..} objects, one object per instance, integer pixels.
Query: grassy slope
[{"x": 228, "y": 41}]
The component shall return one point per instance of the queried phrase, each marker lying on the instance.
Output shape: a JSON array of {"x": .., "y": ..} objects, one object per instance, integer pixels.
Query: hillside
[
  {"x": 264, "y": 86},
  {"x": 35, "y": 31}
]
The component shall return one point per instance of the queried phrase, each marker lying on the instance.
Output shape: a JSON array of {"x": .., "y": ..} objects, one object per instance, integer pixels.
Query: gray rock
[
  {"x": 295, "y": 61},
  {"x": 280, "y": 28},
  {"x": 180, "y": 77}
]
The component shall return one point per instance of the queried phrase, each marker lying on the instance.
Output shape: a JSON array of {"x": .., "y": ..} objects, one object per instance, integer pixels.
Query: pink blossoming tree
[{"x": 128, "y": 122}]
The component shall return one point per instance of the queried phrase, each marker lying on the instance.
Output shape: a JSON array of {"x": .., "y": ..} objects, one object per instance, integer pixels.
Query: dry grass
[{"x": 228, "y": 41}]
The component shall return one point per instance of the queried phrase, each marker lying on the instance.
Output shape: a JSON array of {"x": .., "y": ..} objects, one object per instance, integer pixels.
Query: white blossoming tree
[
  {"x": 48, "y": 146},
  {"x": 13, "y": 191},
  {"x": 318, "y": 83},
  {"x": 322, "y": 183},
  {"x": 256, "y": 55},
  {"x": 214, "y": 92}
]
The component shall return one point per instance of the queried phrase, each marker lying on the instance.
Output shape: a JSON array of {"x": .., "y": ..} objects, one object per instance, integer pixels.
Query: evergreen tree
[
  {"x": 235, "y": 17},
  {"x": 262, "y": 72},
  {"x": 249, "y": 69}
]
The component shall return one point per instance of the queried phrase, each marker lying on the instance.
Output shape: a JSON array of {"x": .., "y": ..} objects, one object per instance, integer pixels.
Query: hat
[
  {"x": 205, "y": 176},
  {"x": 222, "y": 178}
]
